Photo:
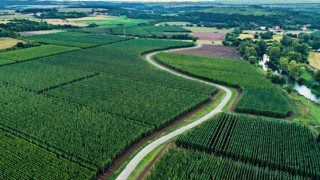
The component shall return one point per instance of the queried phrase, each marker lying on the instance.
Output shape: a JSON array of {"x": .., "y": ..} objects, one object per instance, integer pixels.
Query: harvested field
[
  {"x": 212, "y": 51},
  {"x": 34, "y": 33},
  {"x": 8, "y": 42},
  {"x": 207, "y": 29},
  {"x": 314, "y": 60},
  {"x": 211, "y": 36},
  {"x": 244, "y": 36},
  {"x": 65, "y": 22}
]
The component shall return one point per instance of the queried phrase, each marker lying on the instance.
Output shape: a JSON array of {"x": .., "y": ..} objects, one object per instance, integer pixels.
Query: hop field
[
  {"x": 90, "y": 105},
  {"x": 140, "y": 31},
  {"x": 72, "y": 131},
  {"x": 39, "y": 76},
  {"x": 259, "y": 97},
  {"x": 81, "y": 40},
  {"x": 23, "y": 160},
  {"x": 271, "y": 143},
  {"x": 178, "y": 163},
  {"x": 35, "y": 52}
]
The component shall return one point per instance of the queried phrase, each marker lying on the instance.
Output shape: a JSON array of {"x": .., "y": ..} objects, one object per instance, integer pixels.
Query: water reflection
[{"x": 301, "y": 89}]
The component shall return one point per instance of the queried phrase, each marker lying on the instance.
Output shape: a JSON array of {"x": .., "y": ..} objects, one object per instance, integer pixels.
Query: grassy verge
[
  {"x": 307, "y": 112},
  {"x": 233, "y": 98},
  {"x": 145, "y": 162},
  {"x": 151, "y": 155}
]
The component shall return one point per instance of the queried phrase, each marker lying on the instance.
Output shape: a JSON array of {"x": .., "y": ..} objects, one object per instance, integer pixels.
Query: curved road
[{"x": 145, "y": 151}]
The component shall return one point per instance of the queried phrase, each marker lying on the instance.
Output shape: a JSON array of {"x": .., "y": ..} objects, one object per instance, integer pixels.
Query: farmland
[
  {"x": 259, "y": 96},
  {"x": 73, "y": 39},
  {"x": 150, "y": 107},
  {"x": 212, "y": 51},
  {"x": 314, "y": 60},
  {"x": 35, "y": 52},
  {"x": 38, "y": 76},
  {"x": 210, "y": 36},
  {"x": 280, "y": 145},
  {"x": 19, "y": 156},
  {"x": 110, "y": 21},
  {"x": 158, "y": 90},
  {"x": 141, "y": 31},
  {"x": 8, "y": 42},
  {"x": 89, "y": 104},
  {"x": 178, "y": 163}
]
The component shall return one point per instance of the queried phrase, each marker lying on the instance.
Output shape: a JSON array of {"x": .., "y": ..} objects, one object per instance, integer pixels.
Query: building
[{"x": 277, "y": 29}]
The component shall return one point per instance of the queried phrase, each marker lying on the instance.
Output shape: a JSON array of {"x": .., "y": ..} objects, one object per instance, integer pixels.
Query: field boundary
[
  {"x": 111, "y": 169},
  {"x": 66, "y": 83}
]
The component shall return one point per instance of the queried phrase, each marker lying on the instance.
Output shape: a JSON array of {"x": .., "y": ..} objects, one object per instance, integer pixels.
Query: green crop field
[
  {"x": 73, "y": 131},
  {"x": 5, "y": 61},
  {"x": 23, "y": 160},
  {"x": 35, "y": 52},
  {"x": 178, "y": 163},
  {"x": 138, "y": 101},
  {"x": 140, "y": 31},
  {"x": 259, "y": 95},
  {"x": 124, "y": 60},
  {"x": 271, "y": 143},
  {"x": 90, "y": 105},
  {"x": 112, "y": 21},
  {"x": 75, "y": 39},
  {"x": 38, "y": 76}
]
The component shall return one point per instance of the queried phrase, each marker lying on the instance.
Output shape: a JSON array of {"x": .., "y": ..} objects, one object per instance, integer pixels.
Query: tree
[
  {"x": 261, "y": 48},
  {"x": 295, "y": 69},
  {"x": 305, "y": 38},
  {"x": 302, "y": 48},
  {"x": 284, "y": 63},
  {"x": 274, "y": 54},
  {"x": 316, "y": 45},
  {"x": 317, "y": 76},
  {"x": 286, "y": 40},
  {"x": 250, "y": 52},
  {"x": 267, "y": 35},
  {"x": 294, "y": 56},
  {"x": 252, "y": 59},
  {"x": 278, "y": 79}
]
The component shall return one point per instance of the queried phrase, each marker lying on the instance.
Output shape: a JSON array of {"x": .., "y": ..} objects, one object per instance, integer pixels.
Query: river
[{"x": 301, "y": 89}]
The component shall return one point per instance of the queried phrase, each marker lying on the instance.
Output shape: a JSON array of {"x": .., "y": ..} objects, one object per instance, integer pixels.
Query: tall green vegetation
[
  {"x": 264, "y": 142},
  {"x": 259, "y": 96},
  {"x": 82, "y": 40},
  {"x": 35, "y": 52},
  {"x": 178, "y": 163},
  {"x": 21, "y": 159},
  {"x": 90, "y": 105}
]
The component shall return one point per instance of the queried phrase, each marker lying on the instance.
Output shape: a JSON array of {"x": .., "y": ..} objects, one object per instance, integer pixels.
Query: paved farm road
[{"x": 138, "y": 158}]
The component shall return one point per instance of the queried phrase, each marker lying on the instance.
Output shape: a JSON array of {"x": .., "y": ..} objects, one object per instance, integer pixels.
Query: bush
[
  {"x": 278, "y": 79},
  {"x": 315, "y": 85},
  {"x": 289, "y": 88}
]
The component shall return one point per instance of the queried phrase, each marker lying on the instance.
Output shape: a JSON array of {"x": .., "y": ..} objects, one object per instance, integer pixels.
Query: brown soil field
[{"x": 213, "y": 51}]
